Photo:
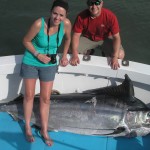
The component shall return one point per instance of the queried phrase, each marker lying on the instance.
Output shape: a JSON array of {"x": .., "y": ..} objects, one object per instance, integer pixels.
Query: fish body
[
  {"x": 91, "y": 113},
  {"x": 100, "y": 115}
]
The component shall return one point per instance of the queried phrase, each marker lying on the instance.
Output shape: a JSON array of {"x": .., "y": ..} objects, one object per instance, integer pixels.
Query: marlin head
[{"x": 138, "y": 122}]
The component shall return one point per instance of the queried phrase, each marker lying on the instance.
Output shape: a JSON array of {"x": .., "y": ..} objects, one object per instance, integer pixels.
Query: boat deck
[{"x": 12, "y": 138}]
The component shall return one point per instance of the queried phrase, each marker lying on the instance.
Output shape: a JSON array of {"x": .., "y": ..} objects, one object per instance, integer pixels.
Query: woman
[{"x": 41, "y": 43}]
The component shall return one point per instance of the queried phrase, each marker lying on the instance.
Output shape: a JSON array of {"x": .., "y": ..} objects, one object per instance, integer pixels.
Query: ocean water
[{"x": 16, "y": 17}]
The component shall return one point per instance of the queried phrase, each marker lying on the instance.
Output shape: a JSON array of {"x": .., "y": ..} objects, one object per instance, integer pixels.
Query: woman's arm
[
  {"x": 67, "y": 40},
  {"x": 34, "y": 29}
]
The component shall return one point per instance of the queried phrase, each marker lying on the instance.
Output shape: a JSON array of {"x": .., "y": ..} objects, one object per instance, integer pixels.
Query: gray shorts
[
  {"x": 105, "y": 46},
  {"x": 43, "y": 73}
]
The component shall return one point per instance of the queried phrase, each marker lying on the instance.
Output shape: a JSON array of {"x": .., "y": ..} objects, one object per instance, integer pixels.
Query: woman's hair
[{"x": 61, "y": 3}]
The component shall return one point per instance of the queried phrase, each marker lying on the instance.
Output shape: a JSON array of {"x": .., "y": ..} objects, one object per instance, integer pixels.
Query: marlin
[{"x": 109, "y": 111}]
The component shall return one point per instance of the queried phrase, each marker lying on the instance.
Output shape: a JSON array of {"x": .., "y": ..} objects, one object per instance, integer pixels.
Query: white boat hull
[{"x": 91, "y": 74}]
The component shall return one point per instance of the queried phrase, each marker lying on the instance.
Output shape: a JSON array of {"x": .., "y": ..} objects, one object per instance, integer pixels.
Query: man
[{"x": 97, "y": 27}]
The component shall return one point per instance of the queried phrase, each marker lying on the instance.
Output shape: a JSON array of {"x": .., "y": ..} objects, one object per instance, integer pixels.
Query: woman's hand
[
  {"x": 64, "y": 61},
  {"x": 43, "y": 58}
]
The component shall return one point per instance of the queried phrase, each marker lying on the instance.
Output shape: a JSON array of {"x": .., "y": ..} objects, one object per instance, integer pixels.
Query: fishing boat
[
  {"x": 89, "y": 74},
  {"x": 92, "y": 72}
]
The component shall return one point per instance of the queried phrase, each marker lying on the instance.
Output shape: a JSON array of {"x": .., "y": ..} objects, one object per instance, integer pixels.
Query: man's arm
[{"x": 116, "y": 48}]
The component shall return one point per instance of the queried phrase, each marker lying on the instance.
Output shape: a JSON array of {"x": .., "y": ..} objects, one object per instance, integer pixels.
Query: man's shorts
[
  {"x": 105, "y": 46},
  {"x": 43, "y": 73}
]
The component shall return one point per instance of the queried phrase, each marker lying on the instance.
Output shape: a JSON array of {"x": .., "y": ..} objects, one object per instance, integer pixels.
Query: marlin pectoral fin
[{"x": 117, "y": 131}]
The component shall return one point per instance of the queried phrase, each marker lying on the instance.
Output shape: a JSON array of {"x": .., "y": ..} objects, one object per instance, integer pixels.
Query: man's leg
[
  {"x": 107, "y": 48},
  {"x": 86, "y": 46}
]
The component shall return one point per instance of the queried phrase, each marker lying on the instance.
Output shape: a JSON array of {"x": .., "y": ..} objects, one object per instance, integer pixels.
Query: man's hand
[{"x": 114, "y": 63}]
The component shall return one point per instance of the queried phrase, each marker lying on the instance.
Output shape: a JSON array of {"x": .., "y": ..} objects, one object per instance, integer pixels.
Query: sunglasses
[{"x": 94, "y": 3}]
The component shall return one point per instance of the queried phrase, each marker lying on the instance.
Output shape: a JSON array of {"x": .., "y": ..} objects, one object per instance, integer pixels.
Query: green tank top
[{"x": 40, "y": 42}]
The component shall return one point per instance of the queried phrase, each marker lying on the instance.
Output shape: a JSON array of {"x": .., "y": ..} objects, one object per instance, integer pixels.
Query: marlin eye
[{"x": 148, "y": 114}]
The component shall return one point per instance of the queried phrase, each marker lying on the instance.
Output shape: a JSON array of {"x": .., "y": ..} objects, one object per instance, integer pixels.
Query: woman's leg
[
  {"x": 28, "y": 106},
  {"x": 45, "y": 92}
]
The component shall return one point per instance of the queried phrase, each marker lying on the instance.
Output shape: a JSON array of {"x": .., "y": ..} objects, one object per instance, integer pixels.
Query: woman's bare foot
[
  {"x": 28, "y": 134},
  {"x": 48, "y": 141}
]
